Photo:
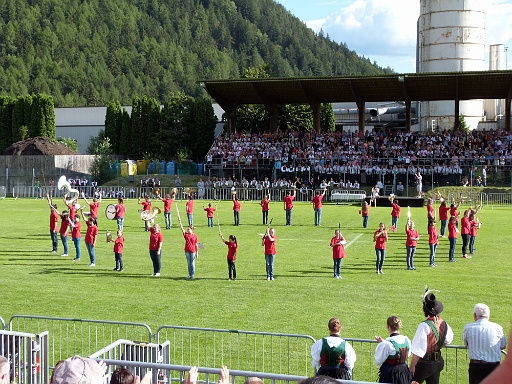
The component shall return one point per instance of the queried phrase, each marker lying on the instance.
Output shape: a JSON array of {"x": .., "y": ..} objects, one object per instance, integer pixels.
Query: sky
[{"x": 385, "y": 30}]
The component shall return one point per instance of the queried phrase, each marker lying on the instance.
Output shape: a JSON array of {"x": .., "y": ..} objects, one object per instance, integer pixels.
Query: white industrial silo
[
  {"x": 451, "y": 38},
  {"x": 495, "y": 108}
]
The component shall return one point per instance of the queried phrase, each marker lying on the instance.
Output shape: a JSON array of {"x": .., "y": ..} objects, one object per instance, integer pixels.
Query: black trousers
[
  {"x": 428, "y": 371},
  {"x": 478, "y": 372}
]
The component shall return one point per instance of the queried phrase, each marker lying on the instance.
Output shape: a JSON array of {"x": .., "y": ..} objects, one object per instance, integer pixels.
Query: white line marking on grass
[
  {"x": 323, "y": 241},
  {"x": 353, "y": 241}
]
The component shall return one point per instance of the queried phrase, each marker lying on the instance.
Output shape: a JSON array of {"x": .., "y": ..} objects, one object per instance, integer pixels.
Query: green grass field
[{"x": 303, "y": 296}]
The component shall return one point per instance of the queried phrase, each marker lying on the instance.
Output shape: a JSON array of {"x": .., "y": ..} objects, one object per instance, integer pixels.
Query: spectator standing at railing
[
  {"x": 200, "y": 188},
  {"x": 485, "y": 340},
  {"x": 332, "y": 355},
  {"x": 317, "y": 206},
  {"x": 431, "y": 336},
  {"x": 391, "y": 354},
  {"x": 288, "y": 205}
]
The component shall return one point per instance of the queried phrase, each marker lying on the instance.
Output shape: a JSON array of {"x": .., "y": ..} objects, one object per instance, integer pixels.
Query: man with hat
[
  {"x": 81, "y": 370},
  {"x": 432, "y": 334},
  {"x": 485, "y": 340}
]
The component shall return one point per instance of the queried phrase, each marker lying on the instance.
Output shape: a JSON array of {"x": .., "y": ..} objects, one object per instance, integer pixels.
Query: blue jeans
[
  {"x": 156, "y": 259},
  {"x": 92, "y": 252},
  {"x": 433, "y": 248},
  {"x": 168, "y": 220},
  {"x": 318, "y": 216},
  {"x": 443, "y": 226},
  {"x": 120, "y": 223},
  {"x": 64, "y": 240},
  {"x": 190, "y": 217},
  {"x": 337, "y": 267},
  {"x": 394, "y": 221},
  {"x": 365, "y": 221},
  {"x": 381, "y": 255},
  {"x": 191, "y": 263},
  {"x": 288, "y": 217},
  {"x": 453, "y": 243},
  {"x": 210, "y": 221},
  {"x": 76, "y": 241},
  {"x": 55, "y": 241},
  {"x": 410, "y": 256},
  {"x": 472, "y": 244},
  {"x": 269, "y": 260}
]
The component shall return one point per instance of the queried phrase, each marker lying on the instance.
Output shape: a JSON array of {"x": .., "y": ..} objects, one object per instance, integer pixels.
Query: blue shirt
[{"x": 484, "y": 340}]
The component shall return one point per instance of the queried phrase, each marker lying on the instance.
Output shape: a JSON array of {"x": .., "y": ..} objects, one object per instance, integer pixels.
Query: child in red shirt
[{"x": 231, "y": 257}]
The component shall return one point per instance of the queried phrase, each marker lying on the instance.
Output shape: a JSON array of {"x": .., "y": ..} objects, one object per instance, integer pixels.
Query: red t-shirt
[
  {"x": 236, "y": 205},
  {"x": 120, "y": 210},
  {"x": 338, "y": 251},
  {"x": 430, "y": 211},
  {"x": 411, "y": 233},
  {"x": 453, "y": 212},
  {"x": 92, "y": 232},
  {"x": 432, "y": 235},
  {"x": 395, "y": 212},
  {"x": 380, "y": 242},
  {"x": 94, "y": 209},
  {"x": 264, "y": 205},
  {"x": 465, "y": 225},
  {"x": 155, "y": 238},
  {"x": 452, "y": 230},
  {"x": 474, "y": 229},
  {"x": 75, "y": 232},
  {"x": 443, "y": 212},
  {"x": 119, "y": 244},
  {"x": 64, "y": 225},
  {"x": 209, "y": 212},
  {"x": 72, "y": 211},
  {"x": 190, "y": 242},
  {"x": 146, "y": 205},
  {"x": 317, "y": 201},
  {"x": 270, "y": 245},
  {"x": 167, "y": 204},
  {"x": 54, "y": 220},
  {"x": 288, "y": 203},
  {"x": 232, "y": 247},
  {"x": 190, "y": 207}
]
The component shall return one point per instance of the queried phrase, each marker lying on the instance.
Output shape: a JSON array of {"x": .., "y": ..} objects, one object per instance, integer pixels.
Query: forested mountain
[{"x": 88, "y": 52}]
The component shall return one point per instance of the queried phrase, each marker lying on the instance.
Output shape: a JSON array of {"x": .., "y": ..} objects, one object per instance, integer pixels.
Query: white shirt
[
  {"x": 385, "y": 348},
  {"x": 484, "y": 340},
  {"x": 419, "y": 341},
  {"x": 333, "y": 342}
]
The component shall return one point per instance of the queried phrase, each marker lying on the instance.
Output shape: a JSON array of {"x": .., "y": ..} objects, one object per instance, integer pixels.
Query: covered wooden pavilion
[{"x": 406, "y": 88}]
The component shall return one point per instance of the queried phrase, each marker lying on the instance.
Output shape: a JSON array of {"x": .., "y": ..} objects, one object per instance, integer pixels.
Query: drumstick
[{"x": 408, "y": 213}]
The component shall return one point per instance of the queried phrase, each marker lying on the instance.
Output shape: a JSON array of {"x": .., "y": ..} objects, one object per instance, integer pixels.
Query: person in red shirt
[
  {"x": 432, "y": 240},
  {"x": 474, "y": 231},
  {"x": 236, "y": 210},
  {"x": 317, "y": 206},
  {"x": 231, "y": 257},
  {"x": 264, "y": 208},
  {"x": 209, "y": 214},
  {"x": 167, "y": 209},
  {"x": 338, "y": 252},
  {"x": 455, "y": 213},
  {"x": 465, "y": 232},
  {"x": 288, "y": 205},
  {"x": 410, "y": 243},
  {"x": 54, "y": 223},
  {"x": 156, "y": 239},
  {"x": 76, "y": 236},
  {"x": 269, "y": 242},
  {"x": 118, "y": 250},
  {"x": 443, "y": 216},
  {"x": 190, "y": 210},
  {"x": 395, "y": 212},
  {"x": 120, "y": 210},
  {"x": 365, "y": 213},
  {"x": 430, "y": 211},
  {"x": 94, "y": 206},
  {"x": 146, "y": 206},
  {"x": 380, "y": 237},
  {"x": 191, "y": 248},
  {"x": 453, "y": 232},
  {"x": 90, "y": 238}
]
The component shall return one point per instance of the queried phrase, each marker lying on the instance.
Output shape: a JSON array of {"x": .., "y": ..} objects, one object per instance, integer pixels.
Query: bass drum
[{"x": 110, "y": 211}]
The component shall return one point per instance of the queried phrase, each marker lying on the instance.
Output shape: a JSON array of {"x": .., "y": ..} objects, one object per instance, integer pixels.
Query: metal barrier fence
[
  {"x": 127, "y": 350},
  {"x": 27, "y": 354},
  {"x": 242, "y": 350},
  {"x": 2, "y": 323},
  {"x": 69, "y": 337}
]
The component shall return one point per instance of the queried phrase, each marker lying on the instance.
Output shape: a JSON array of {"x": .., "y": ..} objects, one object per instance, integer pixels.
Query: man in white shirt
[
  {"x": 485, "y": 340},
  {"x": 332, "y": 355}
]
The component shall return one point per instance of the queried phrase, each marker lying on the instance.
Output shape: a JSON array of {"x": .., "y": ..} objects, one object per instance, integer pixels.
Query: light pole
[{"x": 506, "y": 58}]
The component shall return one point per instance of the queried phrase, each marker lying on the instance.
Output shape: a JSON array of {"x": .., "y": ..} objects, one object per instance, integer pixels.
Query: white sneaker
[
  {"x": 157, "y": 274},
  {"x": 92, "y": 265},
  {"x": 64, "y": 254}
]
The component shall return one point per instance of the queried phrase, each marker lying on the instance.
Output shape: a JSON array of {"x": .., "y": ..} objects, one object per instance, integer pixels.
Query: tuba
[
  {"x": 156, "y": 191},
  {"x": 63, "y": 184},
  {"x": 150, "y": 215}
]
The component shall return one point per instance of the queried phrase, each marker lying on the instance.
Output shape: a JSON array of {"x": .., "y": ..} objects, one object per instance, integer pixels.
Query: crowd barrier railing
[
  {"x": 2, "y": 323},
  {"x": 27, "y": 354}
]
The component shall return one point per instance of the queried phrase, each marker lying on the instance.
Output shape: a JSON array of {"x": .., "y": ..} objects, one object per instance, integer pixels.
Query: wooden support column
[
  {"x": 360, "y": 112},
  {"x": 315, "y": 107}
]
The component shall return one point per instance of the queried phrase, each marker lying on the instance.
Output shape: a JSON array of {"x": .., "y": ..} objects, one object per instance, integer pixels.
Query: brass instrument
[
  {"x": 108, "y": 236},
  {"x": 73, "y": 193},
  {"x": 156, "y": 191},
  {"x": 150, "y": 215}
]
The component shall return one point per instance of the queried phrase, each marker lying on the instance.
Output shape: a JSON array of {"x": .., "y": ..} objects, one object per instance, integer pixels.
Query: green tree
[
  {"x": 103, "y": 165},
  {"x": 113, "y": 124},
  {"x": 327, "y": 121},
  {"x": 201, "y": 123}
]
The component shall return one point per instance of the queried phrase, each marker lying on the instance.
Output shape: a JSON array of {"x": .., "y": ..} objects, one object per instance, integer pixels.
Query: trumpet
[
  {"x": 63, "y": 184},
  {"x": 150, "y": 215},
  {"x": 391, "y": 197},
  {"x": 108, "y": 236}
]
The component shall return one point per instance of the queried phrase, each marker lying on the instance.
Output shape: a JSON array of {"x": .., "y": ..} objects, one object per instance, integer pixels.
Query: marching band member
[{"x": 380, "y": 237}]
